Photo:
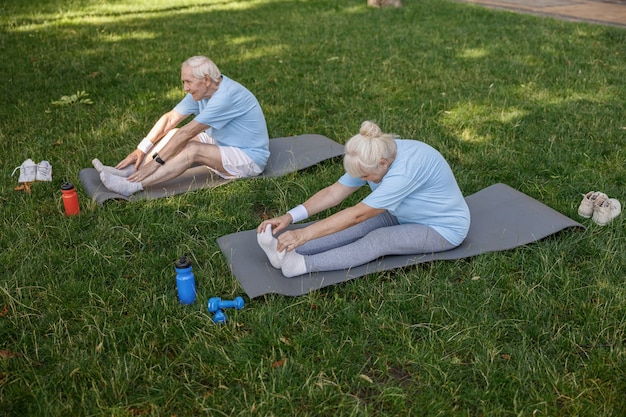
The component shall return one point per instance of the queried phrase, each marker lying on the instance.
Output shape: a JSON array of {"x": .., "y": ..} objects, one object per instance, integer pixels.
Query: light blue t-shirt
[
  {"x": 419, "y": 187},
  {"x": 235, "y": 118}
]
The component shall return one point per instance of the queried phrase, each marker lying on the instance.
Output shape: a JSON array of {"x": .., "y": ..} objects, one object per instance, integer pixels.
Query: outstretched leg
[
  {"x": 120, "y": 184},
  {"x": 193, "y": 153},
  {"x": 348, "y": 235},
  {"x": 403, "y": 239}
]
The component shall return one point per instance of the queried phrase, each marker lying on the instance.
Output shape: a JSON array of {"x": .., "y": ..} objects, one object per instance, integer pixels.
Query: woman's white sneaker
[
  {"x": 587, "y": 205},
  {"x": 606, "y": 210}
]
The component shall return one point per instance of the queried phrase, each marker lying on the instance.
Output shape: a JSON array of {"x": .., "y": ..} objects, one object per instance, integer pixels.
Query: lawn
[{"x": 90, "y": 324}]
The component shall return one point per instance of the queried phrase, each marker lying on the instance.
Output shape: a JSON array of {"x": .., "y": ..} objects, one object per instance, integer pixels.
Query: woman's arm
[
  {"x": 332, "y": 224},
  {"x": 328, "y": 197},
  {"x": 320, "y": 201}
]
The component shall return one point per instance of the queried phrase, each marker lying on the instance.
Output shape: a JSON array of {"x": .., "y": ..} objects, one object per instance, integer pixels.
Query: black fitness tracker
[{"x": 158, "y": 159}]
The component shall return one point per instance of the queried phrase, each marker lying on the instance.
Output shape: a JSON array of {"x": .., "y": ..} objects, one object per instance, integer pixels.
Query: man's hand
[
  {"x": 134, "y": 158},
  {"x": 145, "y": 171}
]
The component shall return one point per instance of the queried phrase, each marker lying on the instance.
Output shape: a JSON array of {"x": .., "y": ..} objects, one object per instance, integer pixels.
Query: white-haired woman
[
  {"x": 228, "y": 134},
  {"x": 415, "y": 207}
]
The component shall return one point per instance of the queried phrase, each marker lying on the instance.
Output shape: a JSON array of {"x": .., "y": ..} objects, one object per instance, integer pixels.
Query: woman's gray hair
[
  {"x": 201, "y": 66},
  {"x": 364, "y": 151}
]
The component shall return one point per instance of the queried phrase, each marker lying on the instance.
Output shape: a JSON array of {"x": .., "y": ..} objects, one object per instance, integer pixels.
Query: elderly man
[{"x": 228, "y": 134}]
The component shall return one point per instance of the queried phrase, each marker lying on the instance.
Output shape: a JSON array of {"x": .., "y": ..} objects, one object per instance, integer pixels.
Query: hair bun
[{"x": 370, "y": 129}]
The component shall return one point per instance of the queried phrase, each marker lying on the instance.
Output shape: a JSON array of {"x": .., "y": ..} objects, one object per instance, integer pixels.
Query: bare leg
[{"x": 194, "y": 153}]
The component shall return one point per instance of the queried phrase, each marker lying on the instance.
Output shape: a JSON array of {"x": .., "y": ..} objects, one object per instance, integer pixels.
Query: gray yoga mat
[
  {"x": 502, "y": 218},
  {"x": 288, "y": 154}
]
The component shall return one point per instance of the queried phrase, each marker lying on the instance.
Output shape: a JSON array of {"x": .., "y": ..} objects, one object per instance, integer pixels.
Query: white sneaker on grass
[
  {"x": 606, "y": 210},
  {"x": 28, "y": 171},
  {"x": 44, "y": 171},
  {"x": 588, "y": 203}
]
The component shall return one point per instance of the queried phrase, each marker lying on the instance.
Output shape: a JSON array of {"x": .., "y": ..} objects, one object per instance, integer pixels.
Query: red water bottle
[{"x": 70, "y": 199}]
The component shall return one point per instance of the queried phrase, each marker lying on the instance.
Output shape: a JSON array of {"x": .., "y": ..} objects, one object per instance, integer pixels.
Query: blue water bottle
[{"x": 185, "y": 282}]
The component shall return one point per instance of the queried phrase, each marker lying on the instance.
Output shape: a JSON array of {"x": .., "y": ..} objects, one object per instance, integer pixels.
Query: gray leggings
[{"x": 379, "y": 236}]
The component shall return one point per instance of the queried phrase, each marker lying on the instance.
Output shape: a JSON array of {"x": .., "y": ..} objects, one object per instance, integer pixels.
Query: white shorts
[{"x": 235, "y": 161}]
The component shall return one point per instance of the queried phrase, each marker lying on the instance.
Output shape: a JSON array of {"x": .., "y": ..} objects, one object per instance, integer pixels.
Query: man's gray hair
[{"x": 201, "y": 66}]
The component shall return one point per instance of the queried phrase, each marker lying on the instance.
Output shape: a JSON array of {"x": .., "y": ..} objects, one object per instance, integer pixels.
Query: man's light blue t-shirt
[
  {"x": 419, "y": 187},
  {"x": 235, "y": 118}
]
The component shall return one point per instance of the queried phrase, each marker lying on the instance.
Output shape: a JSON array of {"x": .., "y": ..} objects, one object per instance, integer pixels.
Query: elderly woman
[
  {"x": 228, "y": 134},
  {"x": 415, "y": 207}
]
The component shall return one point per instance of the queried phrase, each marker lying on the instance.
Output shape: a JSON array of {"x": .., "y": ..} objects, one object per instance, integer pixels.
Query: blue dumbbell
[
  {"x": 217, "y": 303},
  {"x": 219, "y": 317}
]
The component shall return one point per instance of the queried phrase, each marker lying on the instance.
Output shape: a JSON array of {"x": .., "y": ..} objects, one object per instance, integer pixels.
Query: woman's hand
[
  {"x": 291, "y": 239},
  {"x": 278, "y": 223}
]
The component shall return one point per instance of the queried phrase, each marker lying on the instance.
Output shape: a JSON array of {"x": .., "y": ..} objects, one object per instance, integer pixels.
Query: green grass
[{"x": 89, "y": 320}]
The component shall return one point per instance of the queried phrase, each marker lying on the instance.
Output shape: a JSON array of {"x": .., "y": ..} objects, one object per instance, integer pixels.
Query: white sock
[
  {"x": 119, "y": 184},
  {"x": 291, "y": 263},
  {"x": 100, "y": 167},
  {"x": 268, "y": 243}
]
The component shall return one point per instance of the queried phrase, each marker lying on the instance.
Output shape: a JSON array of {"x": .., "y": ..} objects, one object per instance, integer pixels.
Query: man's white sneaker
[
  {"x": 28, "y": 171},
  {"x": 587, "y": 205},
  {"x": 44, "y": 171},
  {"x": 606, "y": 210}
]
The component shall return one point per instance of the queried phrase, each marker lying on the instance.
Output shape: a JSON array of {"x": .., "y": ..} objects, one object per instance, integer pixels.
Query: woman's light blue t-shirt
[
  {"x": 235, "y": 118},
  {"x": 419, "y": 187}
]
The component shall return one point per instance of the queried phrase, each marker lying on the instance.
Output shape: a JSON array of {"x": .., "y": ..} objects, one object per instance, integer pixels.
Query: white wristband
[
  {"x": 298, "y": 213},
  {"x": 145, "y": 145}
]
